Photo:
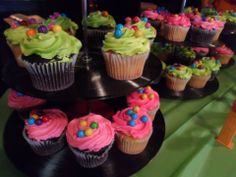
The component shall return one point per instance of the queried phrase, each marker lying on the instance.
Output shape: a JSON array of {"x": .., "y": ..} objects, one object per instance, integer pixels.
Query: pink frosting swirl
[
  {"x": 206, "y": 24},
  {"x": 145, "y": 98},
  {"x": 200, "y": 49},
  {"x": 140, "y": 130},
  {"x": 19, "y": 101},
  {"x": 53, "y": 128},
  {"x": 153, "y": 15},
  {"x": 178, "y": 20},
  {"x": 224, "y": 50},
  {"x": 100, "y": 137},
  {"x": 219, "y": 23}
]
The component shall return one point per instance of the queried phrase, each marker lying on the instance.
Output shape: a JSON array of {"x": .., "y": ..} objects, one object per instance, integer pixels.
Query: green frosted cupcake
[
  {"x": 230, "y": 25},
  {"x": 185, "y": 55},
  {"x": 212, "y": 63},
  {"x": 50, "y": 57},
  {"x": 177, "y": 76},
  {"x": 162, "y": 51}
]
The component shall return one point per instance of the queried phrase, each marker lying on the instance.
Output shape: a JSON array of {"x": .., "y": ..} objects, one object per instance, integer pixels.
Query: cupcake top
[
  {"x": 152, "y": 15},
  {"x": 178, "y": 20},
  {"x": 146, "y": 98},
  {"x": 90, "y": 133},
  {"x": 179, "y": 71},
  {"x": 158, "y": 48},
  {"x": 142, "y": 25},
  {"x": 99, "y": 19},
  {"x": 15, "y": 35},
  {"x": 212, "y": 63},
  {"x": 207, "y": 23},
  {"x": 45, "y": 124},
  {"x": 132, "y": 122},
  {"x": 192, "y": 13},
  {"x": 200, "y": 49},
  {"x": 50, "y": 43},
  {"x": 224, "y": 50},
  {"x": 125, "y": 41},
  {"x": 17, "y": 100},
  {"x": 200, "y": 69},
  {"x": 230, "y": 16},
  {"x": 61, "y": 19},
  {"x": 185, "y": 52}
]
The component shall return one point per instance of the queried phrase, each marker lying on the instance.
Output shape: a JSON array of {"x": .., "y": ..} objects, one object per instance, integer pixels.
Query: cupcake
[
  {"x": 177, "y": 76},
  {"x": 50, "y": 56},
  {"x": 201, "y": 75},
  {"x": 125, "y": 52},
  {"x": 200, "y": 51},
  {"x": 44, "y": 131},
  {"x": 213, "y": 64},
  {"x": 176, "y": 27},
  {"x": 184, "y": 55},
  {"x": 162, "y": 51},
  {"x": 224, "y": 54},
  {"x": 220, "y": 25},
  {"x": 90, "y": 138},
  {"x": 62, "y": 20},
  {"x": 230, "y": 25},
  {"x": 192, "y": 13},
  {"x": 21, "y": 102},
  {"x": 145, "y": 98},
  {"x": 142, "y": 25},
  {"x": 133, "y": 129},
  {"x": 98, "y": 24}
]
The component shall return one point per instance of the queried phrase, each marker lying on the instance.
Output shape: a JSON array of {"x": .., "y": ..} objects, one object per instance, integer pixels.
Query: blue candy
[
  {"x": 218, "y": 61},
  {"x": 119, "y": 26},
  {"x": 134, "y": 116},
  {"x": 145, "y": 19},
  {"x": 144, "y": 119},
  {"x": 141, "y": 90},
  {"x": 31, "y": 121},
  {"x": 132, "y": 123},
  {"x": 118, "y": 33},
  {"x": 80, "y": 134},
  {"x": 193, "y": 66},
  {"x": 19, "y": 94},
  {"x": 129, "y": 112},
  {"x": 63, "y": 14}
]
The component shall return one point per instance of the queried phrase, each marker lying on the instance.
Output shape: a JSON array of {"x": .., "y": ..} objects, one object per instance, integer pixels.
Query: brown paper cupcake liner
[
  {"x": 201, "y": 36},
  {"x": 152, "y": 113},
  {"x": 198, "y": 81},
  {"x": 175, "y": 33},
  {"x": 129, "y": 145},
  {"x": 124, "y": 67},
  {"x": 17, "y": 54},
  {"x": 52, "y": 76},
  {"x": 217, "y": 35},
  {"x": 47, "y": 147},
  {"x": 224, "y": 59},
  {"x": 176, "y": 84}
]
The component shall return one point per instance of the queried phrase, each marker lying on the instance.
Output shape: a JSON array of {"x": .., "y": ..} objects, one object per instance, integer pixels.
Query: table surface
[{"x": 189, "y": 148}]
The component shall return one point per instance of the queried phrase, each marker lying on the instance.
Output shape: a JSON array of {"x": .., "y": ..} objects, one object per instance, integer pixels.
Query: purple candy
[
  {"x": 38, "y": 121},
  {"x": 42, "y": 29},
  {"x": 52, "y": 17},
  {"x": 56, "y": 14}
]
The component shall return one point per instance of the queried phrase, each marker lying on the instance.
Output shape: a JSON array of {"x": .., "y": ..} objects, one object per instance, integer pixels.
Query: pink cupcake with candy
[
  {"x": 44, "y": 131},
  {"x": 90, "y": 138},
  {"x": 133, "y": 129},
  {"x": 145, "y": 98},
  {"x": 224, "y": 54}
]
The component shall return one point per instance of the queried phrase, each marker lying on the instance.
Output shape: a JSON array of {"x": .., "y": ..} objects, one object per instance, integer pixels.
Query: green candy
[{"x": 94, "y": 125}]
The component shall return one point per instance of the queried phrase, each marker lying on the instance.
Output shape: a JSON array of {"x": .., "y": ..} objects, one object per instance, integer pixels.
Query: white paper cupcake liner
[{"x": 52, "y": 76}]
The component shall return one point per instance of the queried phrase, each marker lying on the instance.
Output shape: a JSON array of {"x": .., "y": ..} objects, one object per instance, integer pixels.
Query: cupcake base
[
  {"x": 175, "y": 83},
  {"x": 201, "y": 36},
  {"x": 175, "y": 33},
  {"x": 198, "y": 81},
  {"x": 224, "y": 59}
]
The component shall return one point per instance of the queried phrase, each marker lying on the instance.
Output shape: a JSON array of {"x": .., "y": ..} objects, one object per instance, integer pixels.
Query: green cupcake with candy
[
  {"x": 162, "y": 51},
  {"x": 212, "y": 63},
  {"x": 177, "y": 76},
  {"x": 184, "y": 55},
  {"x": 125, "y": 52},
  {"x": 201, "y": 75}
]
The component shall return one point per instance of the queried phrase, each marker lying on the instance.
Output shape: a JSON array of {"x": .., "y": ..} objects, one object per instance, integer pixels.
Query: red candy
[
  {"x": 147, "y": 25},
  {"x": 136, "y": 19},
  {"x": 45, "y": 119},
  {"x": 128, "y": 20},
  {"x": 135, "y": 28},
  {"x": 105, "y": 13},
  {"x": 24, "y": 23}
]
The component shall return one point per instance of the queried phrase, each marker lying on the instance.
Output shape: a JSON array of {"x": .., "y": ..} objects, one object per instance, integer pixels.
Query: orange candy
[
  {"x": 144, "y": 96},
  {"x": 138, "y": 33},
  {"x": 31, "y": 32},
  {"x": 136, "y": 109},
  {"x": 151, "y": 96},
  {"x": 105, "y": 13}
]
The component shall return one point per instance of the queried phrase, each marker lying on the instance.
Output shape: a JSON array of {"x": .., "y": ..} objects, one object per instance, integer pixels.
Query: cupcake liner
[
  {"x": 90, "y": 160},
  {"x": 198, "y": 81},
  {"x": 17, "y": 54},
  {"x": 96, "y": 37},
  {"x": 224, "y": 59},
  {"x": 129, "y": 145},
  {"x": 201, "y": 36},
  {"x": 124, "y": 67},
  {"x": 229, "y": 27},
  {"x": 217, "y": 35},
  {"x": 175, "y": 33},
  {"x": 176, "y": 84},
  {"x": 152, "y": 113},
  {"x": 52, "y": 76},
  {"x": 46, "y": 147}
]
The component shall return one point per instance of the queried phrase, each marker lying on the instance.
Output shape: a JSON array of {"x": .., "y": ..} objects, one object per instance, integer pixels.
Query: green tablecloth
[{"x": 189, "y": 149}]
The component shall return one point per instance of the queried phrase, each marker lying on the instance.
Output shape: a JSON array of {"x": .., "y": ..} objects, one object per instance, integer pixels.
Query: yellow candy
[
  {"x": 56, "y": 28},
  {"x": 35, "y": 116},
  {"x": 151, "y": 96},
  {"x": 83, "y": 123},
  {"x": 148, "y": 87},
  {"x": 138, "y": 33},
  {"x": 136, "y": 109},
  {"x": 144, "y": 96},
  {"x": 88, "y": 132}
]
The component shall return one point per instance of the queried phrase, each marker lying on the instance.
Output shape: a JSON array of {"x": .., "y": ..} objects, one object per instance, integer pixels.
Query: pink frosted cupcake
[
  {"x": 90, "y": 138},
  {"x": 44, "y": 131},
  {"x": 21, "y": 102},
  {"x": 145, "y": 98},
  {"x": 224, "y": 54},
  {"x": 192, "y": 13},
  {"x": 133, "y": 130},
  {"x": 201, "y": 51},
  {"x": 220, "y": 25},
  {"x": 176, "y": 27}
]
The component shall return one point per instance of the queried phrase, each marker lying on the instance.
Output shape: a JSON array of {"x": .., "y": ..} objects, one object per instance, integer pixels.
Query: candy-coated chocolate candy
[
  {"x": 94, "y": 125},
  {"x": 136, "y": 109},
  {"x": 63, "y": 14},
  {"x": 193, "y": 65},
  {"x": 32, "y": 21},
  {"x": 119, "y": 26},
  {"x": 144, "y": 96},
  {"x": 138, "y": 33},
  {"x": 42, "y": 29},
  {"x": 88, "y": 132},
  {"x": 145, "y": 19},
  {"x": 141, "y": 90},
  {"x": 105, "y": 13},
  {"x": 31, "y": 32},
  {"x": 135, "y": 28},
  {"x": 45, "y": 119},
  {"x": 31, "y": 121},
  {"x": 132, "y": 123},
  {"x": 136, "y": 19},
  {"x": 35, "y": 116},
  {"x": 24, "y": 23},
  {"x": 38, "y": 121},
  {"x": 19, "y": 94},
  {"x": 129, "y": 112},
  {"x": 128, "y": 20},
  {"x": 56, "y": 28},
  {"x": 50, "y": 26},
  {"x": 218, "y": 61},
  {"x": 80, "y": 134},
  {"x": 148, "y": 25},
  {"x": 134, "y": 116},
  {"x": 148, "y": 87},
  {"x": 56, "y": 14},
  {"x": 151, "y": 96},
  {"x": 144, "y": 119},
  {"x": 14, "y": 25},
  {"x": 83, "y": 123},
  {"x": 118, "y": 34}
]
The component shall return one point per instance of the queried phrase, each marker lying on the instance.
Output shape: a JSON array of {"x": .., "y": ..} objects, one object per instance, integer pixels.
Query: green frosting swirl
[
  {"x": 16, "y": 35},
  {"x": 230, "y": 16},
  {"x": 51, "y": 45},
  {"x": 180, "y": 71},
  {"x": 148, "y": 32},
  {"x": 96, "y": 20},
  {"x": 128, "y": 44},
  {"x": 158, "y": 49},
  {"x": 205, "y": 71},
  {"x": 183, "y": 52},
  {"x": 213, "y": 64}
]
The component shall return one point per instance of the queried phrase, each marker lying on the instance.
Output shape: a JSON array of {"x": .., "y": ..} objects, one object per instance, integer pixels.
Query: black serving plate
[
  {"x": 188, "y": 93},
  {"x": 63, "y": 163},
  {"x": 231, "y": 63},
  {"x": 91, "y": 80}
]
